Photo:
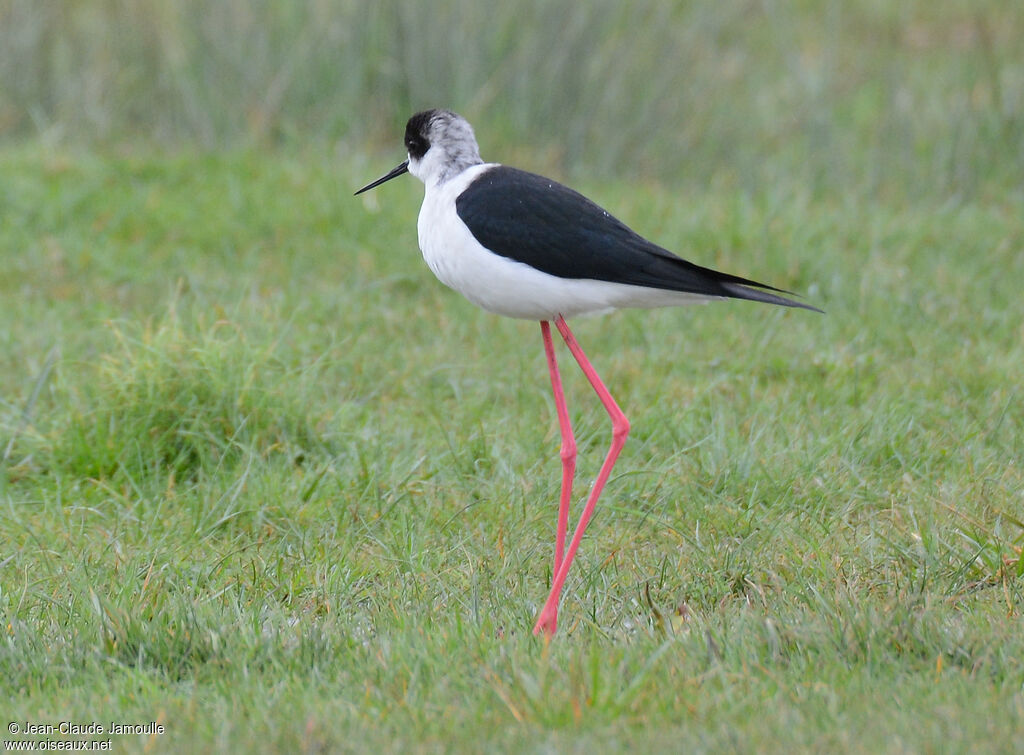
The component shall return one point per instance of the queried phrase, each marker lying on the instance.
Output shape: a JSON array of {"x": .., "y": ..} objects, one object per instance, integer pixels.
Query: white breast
[{"x": 504, "y": 286}]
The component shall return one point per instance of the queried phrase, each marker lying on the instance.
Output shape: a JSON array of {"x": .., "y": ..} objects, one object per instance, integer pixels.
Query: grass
[{"x": 267, "y": 482}]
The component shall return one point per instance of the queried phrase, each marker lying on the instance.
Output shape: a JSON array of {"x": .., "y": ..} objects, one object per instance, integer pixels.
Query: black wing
[{"x": 532, "y": 219}]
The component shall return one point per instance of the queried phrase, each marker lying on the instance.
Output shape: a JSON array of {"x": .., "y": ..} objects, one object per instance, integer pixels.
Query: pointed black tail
[{"x": 738, "y": 291}]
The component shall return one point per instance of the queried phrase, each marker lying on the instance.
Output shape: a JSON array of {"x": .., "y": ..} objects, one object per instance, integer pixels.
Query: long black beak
[{"x": 399, "y": 170}]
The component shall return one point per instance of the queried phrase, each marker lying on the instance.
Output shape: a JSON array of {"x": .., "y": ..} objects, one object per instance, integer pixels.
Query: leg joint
[
  {"x": 568, "y": 450},
  {"x": 620, "y": 427}
]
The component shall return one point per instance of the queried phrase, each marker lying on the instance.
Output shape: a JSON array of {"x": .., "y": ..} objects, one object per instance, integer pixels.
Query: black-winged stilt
[{"x": 525, "y": 246}]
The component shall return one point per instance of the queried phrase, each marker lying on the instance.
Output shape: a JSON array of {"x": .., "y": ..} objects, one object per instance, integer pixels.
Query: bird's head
[{"x": 440, "y": 145}]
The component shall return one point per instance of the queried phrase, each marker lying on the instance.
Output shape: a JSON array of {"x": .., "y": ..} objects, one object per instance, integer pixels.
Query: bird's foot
[{"x": 547, "y": 622}]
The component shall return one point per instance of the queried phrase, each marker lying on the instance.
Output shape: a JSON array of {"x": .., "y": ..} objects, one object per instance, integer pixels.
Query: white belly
[{"x": 506, "y": 287}]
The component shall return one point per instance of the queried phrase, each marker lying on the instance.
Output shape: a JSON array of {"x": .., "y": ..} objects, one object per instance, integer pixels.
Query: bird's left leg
[
  {"x": 568, "y": 455},
  {"x": 620, "y": 429}
]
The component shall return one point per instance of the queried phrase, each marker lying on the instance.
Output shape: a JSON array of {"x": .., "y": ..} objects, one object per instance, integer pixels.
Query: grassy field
[{"x": 267, "y": 482}]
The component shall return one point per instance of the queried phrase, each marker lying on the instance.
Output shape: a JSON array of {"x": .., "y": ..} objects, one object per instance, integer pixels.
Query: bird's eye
[{"x": 416, "y": 146}]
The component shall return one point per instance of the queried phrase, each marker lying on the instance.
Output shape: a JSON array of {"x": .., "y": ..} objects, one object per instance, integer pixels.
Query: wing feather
[{"x": 540, "y": 222}]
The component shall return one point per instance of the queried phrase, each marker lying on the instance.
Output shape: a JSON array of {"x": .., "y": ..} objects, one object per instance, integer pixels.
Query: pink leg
[
  {"x": 620, "y": 429},
  {"x": 568, "y": 454}
]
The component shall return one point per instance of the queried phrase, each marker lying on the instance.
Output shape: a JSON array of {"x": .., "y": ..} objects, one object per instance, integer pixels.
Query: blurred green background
[{"x": 870, "y": 96}]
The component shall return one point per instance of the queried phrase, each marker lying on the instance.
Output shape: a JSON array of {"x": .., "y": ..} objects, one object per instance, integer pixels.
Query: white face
[{"x": 430, "y": 165}]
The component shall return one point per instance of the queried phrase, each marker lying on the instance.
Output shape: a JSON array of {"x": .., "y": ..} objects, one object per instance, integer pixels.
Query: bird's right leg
[{"x": 568, "y": 455}]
